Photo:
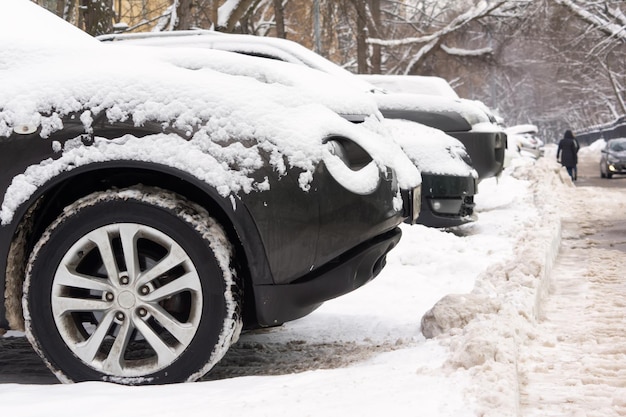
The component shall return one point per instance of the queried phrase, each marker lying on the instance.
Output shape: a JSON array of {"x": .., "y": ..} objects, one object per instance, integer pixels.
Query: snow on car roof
[
  {"x": 424, "y": 102},
  {"x": 521, "y": 129},
  {"x": 43, "y": 78},
  {"x": 430, "y": 86},
  {"x": 331, "y": 91},
  {"x": 415, "y": 84},
  {"x": 264, "y": 46}
]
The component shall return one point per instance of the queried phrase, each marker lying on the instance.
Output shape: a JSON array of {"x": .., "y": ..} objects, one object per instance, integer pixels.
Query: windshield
[{"x": 618, "y": 145}]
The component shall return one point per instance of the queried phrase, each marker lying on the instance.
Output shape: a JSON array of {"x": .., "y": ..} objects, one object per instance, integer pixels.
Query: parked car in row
[
  {"x": 431, "y": 101},
  {"x": 613, "y": 158},
  {"x": 524, "y": 140},
  {"x": 449, "y": 180},
  {"x": 151, "y": 209}
]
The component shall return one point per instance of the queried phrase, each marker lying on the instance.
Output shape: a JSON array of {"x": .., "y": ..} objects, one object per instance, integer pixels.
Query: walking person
[{"x": 567, "y": 153}]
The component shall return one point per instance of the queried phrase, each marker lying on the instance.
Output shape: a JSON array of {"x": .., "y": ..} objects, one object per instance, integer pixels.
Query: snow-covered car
[
  {"x": 449, "y": 180},
  {"x": 523, "y": 139},
  {"x": 613, "y": 158},
  {"x": 431, "y": 101},
  {"x": 412, "y": 84},
  {"x": 151, "y": 210}
]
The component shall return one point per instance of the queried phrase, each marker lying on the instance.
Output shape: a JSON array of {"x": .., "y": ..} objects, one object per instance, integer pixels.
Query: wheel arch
[{"x": 33, "y": 216}]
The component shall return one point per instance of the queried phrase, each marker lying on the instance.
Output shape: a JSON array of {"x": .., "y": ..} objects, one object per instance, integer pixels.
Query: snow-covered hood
[
  {"x": 521, "y": 129},
  {"x": 431, "y": 149},
  {"x": 44, "y": 78},
  {"x": 412, "y": 84},
  {"x": 432, "y": 104}
]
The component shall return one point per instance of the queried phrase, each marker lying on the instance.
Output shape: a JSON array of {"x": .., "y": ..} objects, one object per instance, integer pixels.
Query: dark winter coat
[{"x": 568, "y": 151}]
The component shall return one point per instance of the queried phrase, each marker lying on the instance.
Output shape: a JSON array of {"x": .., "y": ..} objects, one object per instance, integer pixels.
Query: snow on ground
[
  {"x": 575, "y": 364},
  {"x": 478, "y": 289}
]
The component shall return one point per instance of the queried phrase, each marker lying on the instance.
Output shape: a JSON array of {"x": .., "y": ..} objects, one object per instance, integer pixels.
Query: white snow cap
[
  {"x": 413, "y": 84},
  {"x": 431, "y": 149}
]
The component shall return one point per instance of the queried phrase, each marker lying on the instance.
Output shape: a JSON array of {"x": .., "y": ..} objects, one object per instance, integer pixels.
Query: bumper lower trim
[{"x": 276, "y": 304}]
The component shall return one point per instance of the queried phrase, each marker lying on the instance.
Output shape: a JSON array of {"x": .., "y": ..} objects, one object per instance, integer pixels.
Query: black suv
[{"x": 150, "y": 211}]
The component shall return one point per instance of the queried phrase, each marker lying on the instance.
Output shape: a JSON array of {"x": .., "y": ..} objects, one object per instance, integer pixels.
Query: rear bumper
[
  {"x": 447, "y": 200},
  {"x": 487, "y": 150},
  {"x": 276, "y": 304}
]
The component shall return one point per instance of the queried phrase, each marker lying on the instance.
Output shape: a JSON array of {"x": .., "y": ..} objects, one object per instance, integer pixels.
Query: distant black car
[
  {"x": 613, "y": 159},
  {"x": 150, "y": 210},
  {"x": 447, "y": 195}
]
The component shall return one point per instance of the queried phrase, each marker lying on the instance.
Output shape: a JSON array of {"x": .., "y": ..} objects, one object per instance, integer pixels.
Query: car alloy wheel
[{"x": 132, "y": 286}]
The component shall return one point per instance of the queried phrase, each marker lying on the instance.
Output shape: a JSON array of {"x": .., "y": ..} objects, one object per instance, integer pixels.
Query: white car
[
  {"x": 152, "y": 207},
  {"x": 523, "y": 139}
]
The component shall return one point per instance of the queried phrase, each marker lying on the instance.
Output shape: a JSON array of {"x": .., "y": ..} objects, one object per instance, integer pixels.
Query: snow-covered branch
[
  {"x": 231, "y": 11},
  {"x": 482, "y": 9},
  {"x": 600, "y": 22},
  {"x": 467, "y": 52},
  {"x": 424, "y": 50}
]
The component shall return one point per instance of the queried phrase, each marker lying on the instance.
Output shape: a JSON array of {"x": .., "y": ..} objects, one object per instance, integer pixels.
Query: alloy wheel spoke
[
  {"x": 189, "y": 281},
  {"x": 102, "y": 239},
  {"x": 174, "y": 257},
  {"x": 114, "y": 363},
  {"x": 183, "y": 332},
  {"x": 63, "y": 305},
  {"x": 165, "y": 354},
  {"x": 88, "y": 349},
  {"x": 128, "y": 234},
  {"x": 67, "y": 278}
]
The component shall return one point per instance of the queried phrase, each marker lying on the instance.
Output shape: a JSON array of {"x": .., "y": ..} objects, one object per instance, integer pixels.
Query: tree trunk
[
  {"x": 279, "y": 15},
  {"x": 213, "y": 16},
  {"x": 97, "y": 17},
  {"x": 376, "y": 59},
  {"x": 361, "y": 36},
  {"x": 185, "y": 15}
]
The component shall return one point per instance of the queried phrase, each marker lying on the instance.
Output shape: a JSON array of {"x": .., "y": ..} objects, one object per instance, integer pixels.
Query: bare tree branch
[
  {"x": 598, "y": 21},
  {"x": 482, "y": 9}
]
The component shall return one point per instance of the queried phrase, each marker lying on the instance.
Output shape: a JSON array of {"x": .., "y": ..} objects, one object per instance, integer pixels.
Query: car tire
[{"x": 132, "y": 286}]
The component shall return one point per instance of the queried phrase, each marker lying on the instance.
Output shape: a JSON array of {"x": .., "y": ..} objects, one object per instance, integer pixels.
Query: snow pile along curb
[{"x": 485, "y": 328}]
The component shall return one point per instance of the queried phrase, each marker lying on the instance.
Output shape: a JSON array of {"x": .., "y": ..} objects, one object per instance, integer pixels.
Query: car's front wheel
[{"x": 132, "y": 286}]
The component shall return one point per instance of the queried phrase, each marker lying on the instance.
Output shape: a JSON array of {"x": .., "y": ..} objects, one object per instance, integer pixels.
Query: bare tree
[
  {"x": 232, "y": 11},
  {"x": 279, "y": 12},
  {"x": 360, "y": 8},
  {"x": 433, "y": 40}
]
